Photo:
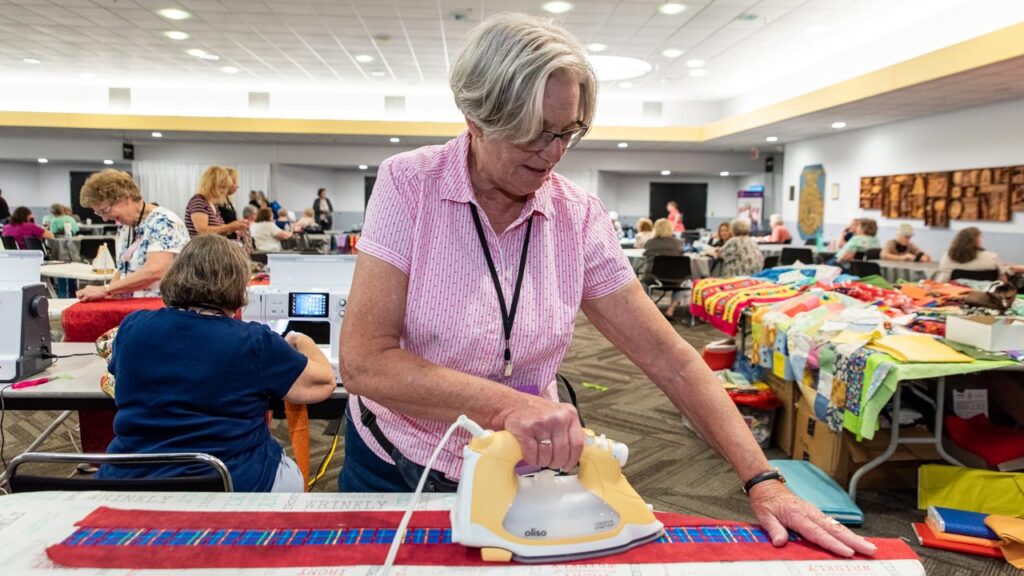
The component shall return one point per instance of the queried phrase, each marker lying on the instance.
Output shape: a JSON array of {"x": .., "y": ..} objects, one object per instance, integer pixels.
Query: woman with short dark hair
[{"x": 192, "y": 378}]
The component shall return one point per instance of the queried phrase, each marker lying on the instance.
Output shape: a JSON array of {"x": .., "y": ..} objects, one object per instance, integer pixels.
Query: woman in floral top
[
  {"x": 740, "y": 255},
  {"x": 147, "y": 241}
]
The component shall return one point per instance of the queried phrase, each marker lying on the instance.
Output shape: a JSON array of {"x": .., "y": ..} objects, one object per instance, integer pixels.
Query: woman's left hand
[
  {"x": 778, "y": 509},
  {"x": 92, "y": 293}
]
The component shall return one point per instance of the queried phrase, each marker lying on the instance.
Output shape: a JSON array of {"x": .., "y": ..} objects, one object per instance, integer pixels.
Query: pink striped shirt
[{"x": 419, "y": 221}]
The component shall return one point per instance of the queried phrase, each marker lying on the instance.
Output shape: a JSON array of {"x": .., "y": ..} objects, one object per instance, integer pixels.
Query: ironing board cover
[{"x": 149, "y": 539}]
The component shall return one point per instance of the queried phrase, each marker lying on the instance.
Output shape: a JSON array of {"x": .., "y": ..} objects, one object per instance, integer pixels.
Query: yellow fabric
[
  {"x": 984, "y": 491},
  {"x": 1011, "y": 531},
  {"x": 853, "y": 337},
  {"x": 917, "y": 348}
]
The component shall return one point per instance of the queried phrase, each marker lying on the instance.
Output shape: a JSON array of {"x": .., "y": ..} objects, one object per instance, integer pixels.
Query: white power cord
[{"x": 461, "y": 422}]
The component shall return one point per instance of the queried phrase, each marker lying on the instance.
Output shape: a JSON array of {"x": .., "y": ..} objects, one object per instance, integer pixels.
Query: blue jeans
[{"x": 364, "y": 471}]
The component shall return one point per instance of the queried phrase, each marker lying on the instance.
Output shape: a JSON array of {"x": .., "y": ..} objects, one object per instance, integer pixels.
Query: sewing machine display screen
[{"x": 307, "y": 305}]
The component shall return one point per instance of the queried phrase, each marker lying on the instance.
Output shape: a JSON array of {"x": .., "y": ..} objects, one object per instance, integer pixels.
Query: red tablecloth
[{"x": 86, "y": 321}]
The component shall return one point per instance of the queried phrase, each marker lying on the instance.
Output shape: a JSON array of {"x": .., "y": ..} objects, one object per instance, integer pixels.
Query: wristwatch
[{"x": 773, "y": 474}]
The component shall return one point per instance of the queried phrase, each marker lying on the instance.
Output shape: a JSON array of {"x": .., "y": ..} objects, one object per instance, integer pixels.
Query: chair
[
  {"x": 864, "y": 268},
  {"x": 982, "y": 275},
  {"x": 34, "y": 243},
  {"x": 669, "y": 273},
  {"x": 771, "y": 261},
  {"x": 812, "y": 241},
  {"x": 691, "y": 236},
  {"x": 220, "y": 481},
  {"x": 10, "y": 243},
  {"x": 873, "y": 254},
  {"x": 91, "y": 247},
  {"x": 793, "y": 255},
  {"x": 860, "y": 255}
]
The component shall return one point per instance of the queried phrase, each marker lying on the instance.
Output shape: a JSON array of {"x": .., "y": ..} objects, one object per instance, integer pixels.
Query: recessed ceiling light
[
  {"x": 671, "y": 8},
  {"x": 174, "y": 14},
  {"x": 698, "y": 72},
  {"x": 395, "y": 140},
  {"x": 177, "y": 35},
  {"x": 43, "y": 160},
  {"x": 158, "y": 134},
  {"x": 87, "y": 75},
  {"x": 197, "y": 52},
  {"x": 32, "y": 61},
  {"x": 723, "y": 173},
  {"x": 378, "y": 73},
  {"x": 666, "y": 172},
  {"x": 108, "y": 162},
  {"x": 695, "y": 63},
  {"x": 364, "y": 58},
  {"x": 363, "y": 166},
  {"x": 597, "y": 47},
  {"x": 772, "y": 139},
  {"x": 625, "y": 85},
  {"x": 611, "y": 68},
  {"x": 817, "y": 29},
  {"x": 210, "y": 57},
  {"x": 672, "y": 53},
  {"x": 839, "y": 125},
  {"x": 229, "y": 69},
  {"x": 556, "y": 7},
  {"x": 623, "y": 144}
]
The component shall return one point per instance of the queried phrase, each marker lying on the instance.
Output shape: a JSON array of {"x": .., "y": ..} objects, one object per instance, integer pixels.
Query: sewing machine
[
  {"x": 307, "y": 294},
  {"x": 24, "y": 321}
]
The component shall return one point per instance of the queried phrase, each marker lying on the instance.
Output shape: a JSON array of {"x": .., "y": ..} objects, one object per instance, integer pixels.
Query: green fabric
[
  {"x": 974, "y": 351},
  {"x": 872, "y": 402},
  {"x": 876, "y": 280}
]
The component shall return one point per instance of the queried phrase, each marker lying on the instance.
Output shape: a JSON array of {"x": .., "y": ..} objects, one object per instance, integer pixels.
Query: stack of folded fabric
[
  {"x": 958, "y": 531},
  {"x": 810, "y": 483},
  {"x": 917, "y": 348},
  {"x": 1001, "y": 447}
]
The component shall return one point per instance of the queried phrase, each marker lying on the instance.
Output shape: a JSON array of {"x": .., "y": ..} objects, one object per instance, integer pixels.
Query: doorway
[
  {"x": 692, "y": 198},
  {"x": 77, "y": 181}
]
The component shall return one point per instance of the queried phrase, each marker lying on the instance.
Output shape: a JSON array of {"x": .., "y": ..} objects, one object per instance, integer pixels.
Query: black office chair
[
  {"x": 669, "y": 275},
  {"x": 787, "y": 241},
  {"x": 982, "y": 275},
  {"x": 864, "y": 268},
  {"x": 873, "y": 254},
  {"x": 811, "y": 242},
  {"x": 771, "y": 261},
  {"x": 91, "y": 247},
  {"x": 10, "y": 243},
  {"x": 794, "y": 255},
  {"x": 34, "y": 243},
  {"x": 219, "y": 481}
]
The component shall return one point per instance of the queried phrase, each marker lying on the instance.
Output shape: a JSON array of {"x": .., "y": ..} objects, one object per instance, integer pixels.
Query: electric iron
[{"x": 546, "y": 517}]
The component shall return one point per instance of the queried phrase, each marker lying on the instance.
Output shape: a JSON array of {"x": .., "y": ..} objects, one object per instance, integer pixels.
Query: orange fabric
[{"x": 298, "y": 431}]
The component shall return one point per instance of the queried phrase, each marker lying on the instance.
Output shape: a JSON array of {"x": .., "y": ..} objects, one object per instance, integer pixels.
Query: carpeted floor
[{"x": 669, "y": 466}]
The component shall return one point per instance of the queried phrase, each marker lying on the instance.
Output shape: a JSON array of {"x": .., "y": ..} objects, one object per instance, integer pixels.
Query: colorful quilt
[
  {"x": 721, "y": 301},
  {"x": 149, "y": 539}
]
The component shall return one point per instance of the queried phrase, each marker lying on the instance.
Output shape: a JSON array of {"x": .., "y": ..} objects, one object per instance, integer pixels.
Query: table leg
[
  {"x": 41, "y": 438},
  {"x": 940, "y": 400}
]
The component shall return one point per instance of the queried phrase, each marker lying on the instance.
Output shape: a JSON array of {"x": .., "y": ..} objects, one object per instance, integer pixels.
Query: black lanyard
[{"x": 508, "y": 316}]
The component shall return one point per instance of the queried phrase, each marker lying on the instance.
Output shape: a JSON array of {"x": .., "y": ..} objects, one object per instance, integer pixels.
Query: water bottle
[{"x": 67, "y": 229}]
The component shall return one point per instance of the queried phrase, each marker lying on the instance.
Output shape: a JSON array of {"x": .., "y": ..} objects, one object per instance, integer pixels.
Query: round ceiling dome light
[{"x": 611, "y": 68}]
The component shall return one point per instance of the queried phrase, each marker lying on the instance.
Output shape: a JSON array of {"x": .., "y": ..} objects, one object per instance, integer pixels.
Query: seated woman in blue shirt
[{"x": 192, "y": 378}]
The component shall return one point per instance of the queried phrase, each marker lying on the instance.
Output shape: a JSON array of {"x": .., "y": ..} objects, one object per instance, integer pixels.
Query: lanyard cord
[{"x": 508, "y": 315}]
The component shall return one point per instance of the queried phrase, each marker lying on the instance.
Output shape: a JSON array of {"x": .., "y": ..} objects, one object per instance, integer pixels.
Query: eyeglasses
[
  {"x": 103, "y": 211},
  {"x": 567, "y": 139}
]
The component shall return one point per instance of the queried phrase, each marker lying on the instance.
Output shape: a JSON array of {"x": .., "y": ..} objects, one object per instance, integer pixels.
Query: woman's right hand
[
  {"x": 239, "y": 225},
  {"x": 549, "y": 433}
]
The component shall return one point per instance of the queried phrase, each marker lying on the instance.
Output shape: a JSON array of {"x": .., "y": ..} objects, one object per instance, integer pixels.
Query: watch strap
[{"x": 773, "y": 474}]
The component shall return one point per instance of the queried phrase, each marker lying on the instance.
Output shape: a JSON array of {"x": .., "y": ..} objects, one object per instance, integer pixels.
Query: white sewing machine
[
  {"x": 307, "y": 294},
  {"x": 24, "y": 321}
]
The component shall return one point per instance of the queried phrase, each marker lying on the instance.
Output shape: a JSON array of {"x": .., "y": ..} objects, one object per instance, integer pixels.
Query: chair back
[
  {"x": 864, "y": 268},
  {"x": 91, "y": 247},
  {"x": 771, "y": 261},
  {"x": 218, "y": 481},
  {"x": 812, "y": 241},
  {"x": 873, "y": 254},
  {"x": 34, "y": 243},
  {"x": 10, "y": 243},
  {"x": 984, "y": 275},
  {"x": 792, "y": 255},
  {"x": 670, "y": 269}
]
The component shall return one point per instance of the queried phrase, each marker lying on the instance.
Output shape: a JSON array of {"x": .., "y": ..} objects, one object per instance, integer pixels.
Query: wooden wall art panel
[{"x": 938, "y": 197}]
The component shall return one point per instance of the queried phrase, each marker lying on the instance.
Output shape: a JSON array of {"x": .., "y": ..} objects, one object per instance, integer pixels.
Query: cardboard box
[
  {"x": 986, "y": 332},
  {"x": 785, "y": 417},
  {"x": 839, "y": 454}
]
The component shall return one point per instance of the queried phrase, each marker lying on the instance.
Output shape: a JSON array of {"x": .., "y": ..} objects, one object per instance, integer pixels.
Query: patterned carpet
[{"x": 669, "y": 466}]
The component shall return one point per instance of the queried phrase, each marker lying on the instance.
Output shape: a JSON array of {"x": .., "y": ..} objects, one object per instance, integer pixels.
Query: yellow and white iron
[{"x": 546, "y": 517}]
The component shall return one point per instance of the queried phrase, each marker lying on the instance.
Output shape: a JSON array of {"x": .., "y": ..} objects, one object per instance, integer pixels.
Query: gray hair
[
  {"x": 249, "y": 210},
  {"x": 498, "y": 78},
  {"x": 775, "y": 219},
  {"x": 740, "y": 227}
]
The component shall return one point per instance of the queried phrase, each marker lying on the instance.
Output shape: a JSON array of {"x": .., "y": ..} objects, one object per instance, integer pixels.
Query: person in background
[
  {"x": 865, "y": 239},
  {"x": 59, "y": 218},
  {"x": 901, "y": 248},
  {"x": 780, "y": 234},
  {"x": 664, "y": 243},
  {"x": 5, "y": 210},
  {"x": 722, "y": 236},
  {"x": 254, "y": 200},
  {"x": 227, "y": 205},
  {"x": 147, "y": 240},
  {"x": 266, "y": 236},
  {"x": 306, "y": 223},
  {"x": 69, "y": 212},
  {"x": 849, "y": 232},
  {"x": 740, "y": 255},
  {"x": 644, "y": 232},
  {"x": 201, "y": 213},
  {"x": 167, "y": 361},
  {"x": 20, "y": 226},
  {"x": 323, "y": 210},
  {"x": 249, "y": 217},
  {"x": 967, "y": 253},
  {"x": 283, "y": 219},
  {"x": 675, "y": 217}
]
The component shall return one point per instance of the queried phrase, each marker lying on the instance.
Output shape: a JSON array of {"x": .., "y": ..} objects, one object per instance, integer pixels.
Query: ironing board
[{"x": 31, "y": 523}]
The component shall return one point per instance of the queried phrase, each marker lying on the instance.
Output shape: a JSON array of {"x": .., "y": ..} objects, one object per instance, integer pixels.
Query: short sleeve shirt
[
  {"x": 193, "y": 383},
  {"x": 160, "y": 231},
  {"x": 419, "y": 221},
  {"x": 198, "y": 204},
  {"x": 20, "y": 231},
  {"x": 859, "y": 243}
]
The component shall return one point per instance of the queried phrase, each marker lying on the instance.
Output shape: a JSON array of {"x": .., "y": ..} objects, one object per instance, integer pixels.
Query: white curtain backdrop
[{"x": 171, "y": 184}]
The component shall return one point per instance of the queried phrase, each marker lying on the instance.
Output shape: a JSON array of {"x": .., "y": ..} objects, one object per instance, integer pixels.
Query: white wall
[
  {"x": 38, "y": 185},
  {"x": 975, "y": 138}
]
